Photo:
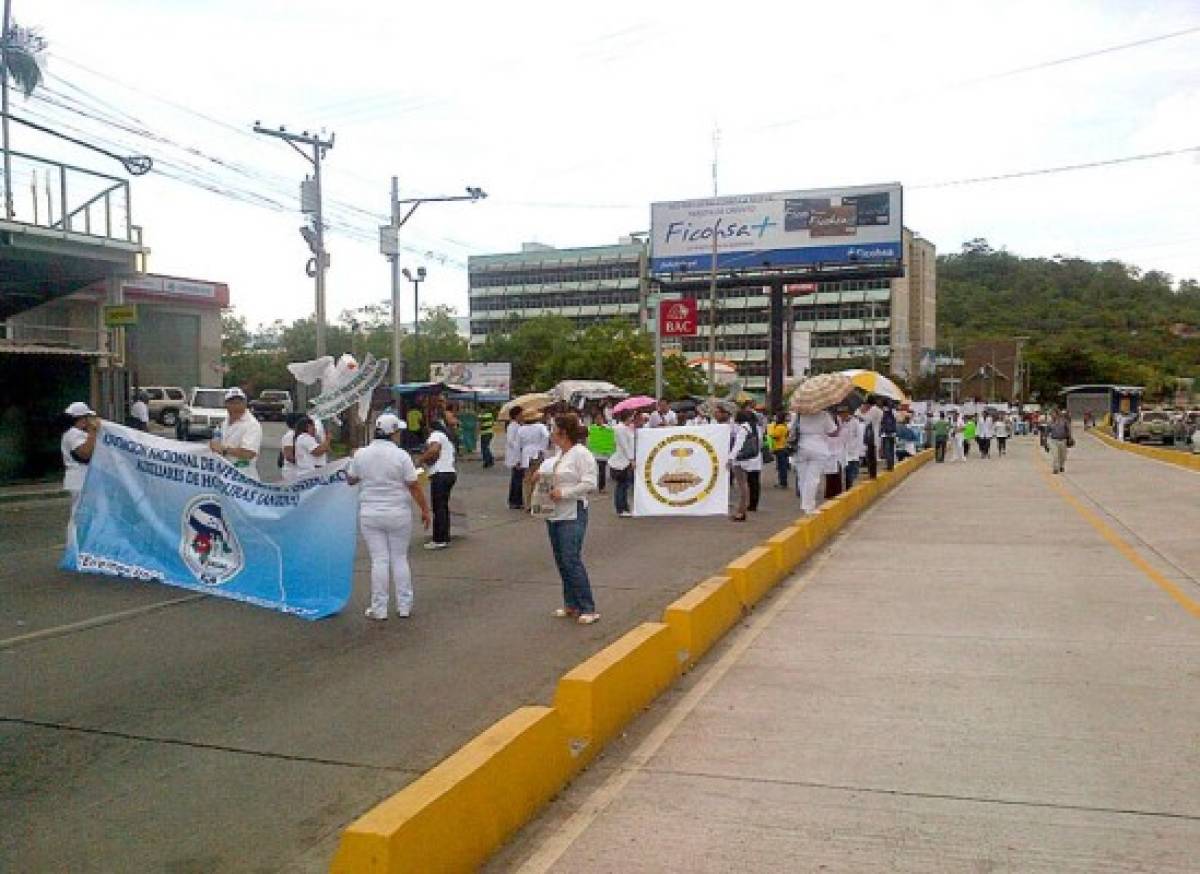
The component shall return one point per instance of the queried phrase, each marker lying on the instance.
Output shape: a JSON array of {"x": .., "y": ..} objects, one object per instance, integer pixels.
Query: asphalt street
[{"x": 145, "y": 728}]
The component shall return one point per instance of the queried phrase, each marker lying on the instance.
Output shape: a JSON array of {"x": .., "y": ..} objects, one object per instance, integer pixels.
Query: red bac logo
[{"x": 678, "y": 318}]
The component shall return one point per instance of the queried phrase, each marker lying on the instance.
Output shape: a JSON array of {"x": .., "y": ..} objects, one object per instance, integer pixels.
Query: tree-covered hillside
[{"x": 1087, "y": 321}]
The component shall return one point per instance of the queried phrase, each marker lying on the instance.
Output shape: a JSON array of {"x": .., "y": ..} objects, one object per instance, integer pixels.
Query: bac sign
[{"x": 678, "y": 318}]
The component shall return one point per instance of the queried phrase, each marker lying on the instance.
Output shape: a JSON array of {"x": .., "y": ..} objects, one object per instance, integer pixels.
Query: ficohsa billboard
[{"x": 779, "y": 229}]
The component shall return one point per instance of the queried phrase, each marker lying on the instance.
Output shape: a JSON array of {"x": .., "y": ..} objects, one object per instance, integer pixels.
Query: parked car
[
  {"x": 165, "y": 402},
  {"x": 272, "y": 405},
  {"x": 204, "y": 411},
  {"x": 1152, "y": 425}
]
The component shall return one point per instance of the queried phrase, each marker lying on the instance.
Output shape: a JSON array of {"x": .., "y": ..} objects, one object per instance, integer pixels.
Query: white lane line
[
  {"x": 553, "y": 848},
  {"x": 94, "y": 622}
]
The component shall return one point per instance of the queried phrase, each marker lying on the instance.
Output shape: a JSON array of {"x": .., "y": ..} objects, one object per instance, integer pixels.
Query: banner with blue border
[{"x": 163, "y": 511}]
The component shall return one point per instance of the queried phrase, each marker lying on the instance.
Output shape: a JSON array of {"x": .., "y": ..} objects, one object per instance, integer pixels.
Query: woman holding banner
[{"x": 389, "y": 488}]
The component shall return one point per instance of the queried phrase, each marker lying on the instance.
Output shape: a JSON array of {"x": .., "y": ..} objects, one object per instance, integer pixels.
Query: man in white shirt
[
  {"x": 621, "y": 461},
  {"x": 851, "y": 432},
  {"x": 438, "y": 458},
  {"x": 984, "y": 437},
  {"x": 77, "y": 446},
  {"x": 241, "y": 438},
  {"x": 139, "y": 412},
  {"x": 663, "y": 416},
  {"x": 533, "y": 437},
  {"x": 512, "y": 459}
]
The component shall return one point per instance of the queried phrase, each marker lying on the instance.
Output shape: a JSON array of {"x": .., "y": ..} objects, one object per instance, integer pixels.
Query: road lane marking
[
  {"x": 1122, "y": 546},
  {"x": 554, "y": 847},
  {"x": 94, "y": 622}
]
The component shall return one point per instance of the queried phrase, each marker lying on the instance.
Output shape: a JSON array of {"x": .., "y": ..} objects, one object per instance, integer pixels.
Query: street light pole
[
  {"x": 314, "y": 236},
  {"x": 416, "y": 284}
]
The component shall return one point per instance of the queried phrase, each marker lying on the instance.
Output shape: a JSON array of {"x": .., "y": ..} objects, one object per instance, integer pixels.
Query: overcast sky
[{"x": 575, "y": 117}]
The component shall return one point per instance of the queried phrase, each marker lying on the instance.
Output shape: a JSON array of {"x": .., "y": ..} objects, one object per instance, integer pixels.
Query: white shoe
[
  {"x": 433, "y": 544},
  {"x": 403, "y": 614},
  {"x": 625, "y": 514},
  {"x": 378, "y": 617},
  {"x": 588, "y": 618}
]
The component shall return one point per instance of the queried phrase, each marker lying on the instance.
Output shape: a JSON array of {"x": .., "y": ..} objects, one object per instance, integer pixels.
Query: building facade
[{"x": 879, "y": 321}]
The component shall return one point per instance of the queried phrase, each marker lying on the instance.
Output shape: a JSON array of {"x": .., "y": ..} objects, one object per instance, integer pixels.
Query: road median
[{"x": 460, "y": 812}]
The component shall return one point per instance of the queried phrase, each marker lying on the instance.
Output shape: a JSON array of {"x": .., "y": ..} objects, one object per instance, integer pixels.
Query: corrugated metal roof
[{"x": 41, "y": 349}]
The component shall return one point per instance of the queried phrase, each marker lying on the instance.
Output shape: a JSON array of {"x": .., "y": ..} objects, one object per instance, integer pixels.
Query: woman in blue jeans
[{"x": 572, "y": 475}]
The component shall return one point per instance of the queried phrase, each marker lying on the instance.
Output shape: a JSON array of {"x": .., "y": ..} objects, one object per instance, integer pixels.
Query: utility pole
[
  {"x": 872, "y": 335},
  {"x": 8, "y": 193},
  {"x": 310, "y": 202},
  {"x": 389, "y": 245},
  {"x": 712, "y": 280}
]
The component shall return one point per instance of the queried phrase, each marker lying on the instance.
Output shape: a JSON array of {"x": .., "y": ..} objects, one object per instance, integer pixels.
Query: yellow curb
[
  {"x": 791, "y": 546},
  {"x": 753, "y": 574},
  {"x": 1179, "y": 459},
  {"x": 701, "y": 617}
]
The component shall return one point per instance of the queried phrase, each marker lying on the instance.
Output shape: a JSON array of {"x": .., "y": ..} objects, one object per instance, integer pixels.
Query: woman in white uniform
[
  {"x": 811, "y": 433},
  {"x": 389, "y": 489},
  {"x": 307, "y": 448},
  {"x": 78, "y": 444}
]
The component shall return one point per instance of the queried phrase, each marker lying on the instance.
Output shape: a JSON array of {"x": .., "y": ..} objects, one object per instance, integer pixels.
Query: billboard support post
[
  {"x": 712, "y": 319},
  {"x": 658, "y": 331},
  {"x": 775, "y": 374}
]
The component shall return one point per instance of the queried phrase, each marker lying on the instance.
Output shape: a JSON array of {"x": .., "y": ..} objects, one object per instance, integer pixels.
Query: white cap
[
  {"x": 235, "y": 393},
  {"x": 79, "y": 409},
  {"x": 389, "y": 424}
]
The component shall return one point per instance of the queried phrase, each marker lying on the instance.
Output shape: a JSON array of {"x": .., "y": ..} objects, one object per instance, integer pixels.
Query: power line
[{"x": 1046, "y": 171}]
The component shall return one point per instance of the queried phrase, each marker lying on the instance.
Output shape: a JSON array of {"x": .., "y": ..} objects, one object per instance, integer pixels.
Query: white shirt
[
  {"x": 1001, "y": 428},
  {"x": 755, "y": 461},
  {"x": 534, "y": 440},
  {"x": 986, "y": 429},
  {"x": 140, "y": 411},
  {"x": 445, "y": 459},
  {"x": 662, "y": 420},
  {"x": 385, "y": 470},
  {"x": 512, "y": 445},
  {"x": 306, "y": 461},
  {"x": 319, "y": 428},
  {"x": 624, "y": 454},
  {"x": 75, "y": 471},
  {"x": 575, "y": 474},
  {"x": 852, "y": 433},
  {"x": 245, "y": 433},
  {"x": 288, "y": 441},
  {"x": 812, "y": 431}
]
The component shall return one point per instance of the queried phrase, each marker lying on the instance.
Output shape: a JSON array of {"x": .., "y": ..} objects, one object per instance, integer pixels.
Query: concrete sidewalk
[{"x": 972, "y": 678}]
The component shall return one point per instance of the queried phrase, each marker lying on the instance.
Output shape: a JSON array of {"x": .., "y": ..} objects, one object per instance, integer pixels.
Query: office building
[{"x": 850, "y": 322}]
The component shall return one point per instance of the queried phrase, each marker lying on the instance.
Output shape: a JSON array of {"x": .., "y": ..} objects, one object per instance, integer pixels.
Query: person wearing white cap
[
  {"x": 389, "y": 489},
  {"x": 241, "y": 438},
  {"x": 78, "y": 444}
]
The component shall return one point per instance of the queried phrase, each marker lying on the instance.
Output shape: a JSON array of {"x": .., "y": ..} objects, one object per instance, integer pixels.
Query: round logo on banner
[
  {"x": 207, "y": 543},
  {"x": 682, "y": 470}
]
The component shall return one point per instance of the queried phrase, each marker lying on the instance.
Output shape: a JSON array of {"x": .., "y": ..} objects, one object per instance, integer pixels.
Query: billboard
[
  {"x": 678, "y": 318},
  {"x": 492, "y": 377},
  {"x": 858, "y": 225}
]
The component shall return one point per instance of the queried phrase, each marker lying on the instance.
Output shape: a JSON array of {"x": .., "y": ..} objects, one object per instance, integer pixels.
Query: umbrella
[
  {"x": 538, "y": 400},
  {"x": 820, "y": 392},
  {"x": 637, "y": 402},
  {"x": 587, "y": 390},
  {"x": 874, "y": 383}
]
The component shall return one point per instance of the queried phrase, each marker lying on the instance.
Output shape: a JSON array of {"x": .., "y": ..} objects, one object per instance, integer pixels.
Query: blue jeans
[
  {"x": 624, "y": 481},
  {"x": 782, "y": 461},
  {"x": 851, "y": 472},
  {"x": 485, "y": 448},
  {"x": 566, "y": 539}
]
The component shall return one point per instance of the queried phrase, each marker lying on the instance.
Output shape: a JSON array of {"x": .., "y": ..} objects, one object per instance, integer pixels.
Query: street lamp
[
  {"x": 416, "y": 283},
  {"x": 389, "y": 245}
]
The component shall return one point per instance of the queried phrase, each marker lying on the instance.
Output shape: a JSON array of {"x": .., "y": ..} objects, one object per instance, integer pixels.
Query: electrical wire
[{"x": 1065, "y": 168}]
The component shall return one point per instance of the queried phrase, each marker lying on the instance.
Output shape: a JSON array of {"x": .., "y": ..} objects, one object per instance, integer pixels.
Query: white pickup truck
[{"x": 205, "y": 410}]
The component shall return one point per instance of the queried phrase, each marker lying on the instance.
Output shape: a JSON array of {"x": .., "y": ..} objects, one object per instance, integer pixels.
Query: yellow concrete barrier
[
  {"x": 597, "y": 698},
  {"x": 1176, "y": 457},
  {"x": 702, "y": 616},
  {"x": 460, "y": 812},
  {"x": 818, "y": 529},
  {"x": 753, "y": 574},
  {"x": 791, "y": 546}
]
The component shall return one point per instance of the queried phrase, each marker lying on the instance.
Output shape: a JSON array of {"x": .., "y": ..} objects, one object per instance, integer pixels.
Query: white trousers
[
  {"x": 959, "y": 453},
  {"x": 387, "y": 541},
  {"x": 71, "y": 537},
  {"x": 810, "y": 467}
]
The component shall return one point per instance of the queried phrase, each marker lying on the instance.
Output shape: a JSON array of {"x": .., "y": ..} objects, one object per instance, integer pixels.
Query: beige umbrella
[
  {"x": 820, "y": 392},
  {"x": 537, "y": 400}
]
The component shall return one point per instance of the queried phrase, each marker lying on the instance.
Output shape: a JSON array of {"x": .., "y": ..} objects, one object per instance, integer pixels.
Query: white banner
[{"x": 682, "y": 471}]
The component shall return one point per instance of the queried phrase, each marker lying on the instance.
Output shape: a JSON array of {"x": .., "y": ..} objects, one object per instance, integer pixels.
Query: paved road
[
  {"x": 207, "y": 735},
  {"x": 993, "y": 670}
]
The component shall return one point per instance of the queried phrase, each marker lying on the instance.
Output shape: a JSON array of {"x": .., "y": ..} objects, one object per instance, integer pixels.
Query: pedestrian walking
[
  {"x": 389, "y": 489},
  {"x": 1001, "y": 430},
  {"x": 811, "y": 434},
  {"x": 887, "y": 436},
  {"x": 438, "y": 458},
  {"x": 512, "y": 460},
  {"x": 572, "y": 470},
  {"x": 77, "y": 445},
  {"x": 307, "y": 451},
  {"x": 777, "y": 433},
  {"x": 750, "y": 458},
  {"x": 1060, "y": 440},
  {"x": 941, "y": 435},
  {"x": 871, "y": 417},
  {"x": 983, "y": 437},
  {"x": 621, "y": 462},
  {"x": 287, "y": 449},
  {"x": 958, "y": 429},
  {"x": 970, "y": 429},
  {"x": 487, "y": 430}
]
